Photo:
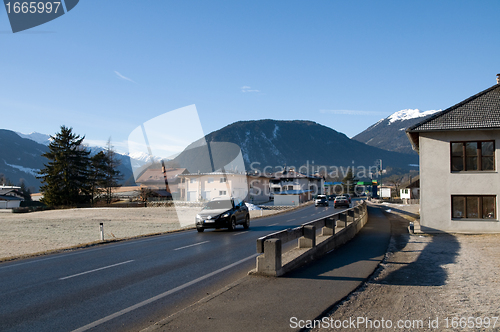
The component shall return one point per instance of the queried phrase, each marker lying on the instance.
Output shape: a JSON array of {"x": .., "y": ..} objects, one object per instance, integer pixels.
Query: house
[
  {"x": 411, "y": 191},
  {"x": 292, "y": 188},
  {"x": 162, "y": 179},
  {"x": 10, "y": 197},
  {"x": 207, "y": 186},
  {"x": 459, "y": 160}
]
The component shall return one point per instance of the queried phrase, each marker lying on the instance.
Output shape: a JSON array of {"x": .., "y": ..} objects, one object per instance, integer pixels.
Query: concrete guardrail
[{"x": 336, "y": 229}]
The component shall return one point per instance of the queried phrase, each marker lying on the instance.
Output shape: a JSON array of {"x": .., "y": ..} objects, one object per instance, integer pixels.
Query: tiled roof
[{"x": 481, "y": 111}]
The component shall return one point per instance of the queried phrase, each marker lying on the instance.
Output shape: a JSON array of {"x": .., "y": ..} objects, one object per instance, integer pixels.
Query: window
[
  {"x": 192, "y": 181},
  {"x": 223, "y": 180},
  {"x": 473, "y": 207},
  {"x": 222, "y": 193},
  {"x": 210, "y": 180},
  {"x": 472, "y": 156}
]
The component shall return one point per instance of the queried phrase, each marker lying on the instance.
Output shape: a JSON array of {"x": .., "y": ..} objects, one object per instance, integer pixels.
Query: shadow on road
[{"x": 366, "y": 249}]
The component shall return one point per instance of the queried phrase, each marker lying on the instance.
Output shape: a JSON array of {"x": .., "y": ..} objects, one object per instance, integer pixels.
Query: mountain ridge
[{"x": 389, "y": 133}]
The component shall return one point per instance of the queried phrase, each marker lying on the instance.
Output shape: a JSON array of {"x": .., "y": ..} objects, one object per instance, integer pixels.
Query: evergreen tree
[
  {"x": 350, "y": 181},
  {"x": 97, "y": 177},
  {"x": 25, "y": 191},
  {"x": 112, "y": 175},
  {"x": 65, "y": 177}
]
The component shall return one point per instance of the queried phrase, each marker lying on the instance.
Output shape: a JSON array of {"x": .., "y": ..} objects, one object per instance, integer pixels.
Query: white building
[
  {"x": 207, "y": 186},
  {"x": 10, "y": 197},
  {"x": 292, "y": 188},
  {"x": 459, "y": 158}
]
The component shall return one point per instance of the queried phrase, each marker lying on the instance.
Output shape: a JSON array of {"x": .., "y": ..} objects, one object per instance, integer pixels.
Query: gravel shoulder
[{"x": 427, "y": 283}]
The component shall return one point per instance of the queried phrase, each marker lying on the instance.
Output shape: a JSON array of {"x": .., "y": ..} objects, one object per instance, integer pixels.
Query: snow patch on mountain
[
  {"x": 37, "y": 137},
  {"x": 409, "y": 114},
  {"x": 32, "y": 171}
]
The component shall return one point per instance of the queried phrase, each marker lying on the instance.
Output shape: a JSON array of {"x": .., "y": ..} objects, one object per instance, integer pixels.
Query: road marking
[
  {"x": 273, "y": 225},
  {"x": 241, "y": 233},
  {"x": 158, "y": 297},
  {"x": 99, "y": 269},
  {"x": 80, "y": 251},
  {"x": 290, "y": 220},
  {"x": 192, "y": 245}
]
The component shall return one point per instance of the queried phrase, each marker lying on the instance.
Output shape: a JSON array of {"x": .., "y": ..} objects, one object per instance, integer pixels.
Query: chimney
[{"x": 498, "y": 78}]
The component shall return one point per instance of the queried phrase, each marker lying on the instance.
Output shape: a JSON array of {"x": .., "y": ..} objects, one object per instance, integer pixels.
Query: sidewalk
[{"x": 257, "y": 303}]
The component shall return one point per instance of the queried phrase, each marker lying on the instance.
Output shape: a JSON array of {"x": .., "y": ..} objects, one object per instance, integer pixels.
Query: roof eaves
[{"x": 449, "y": 109}]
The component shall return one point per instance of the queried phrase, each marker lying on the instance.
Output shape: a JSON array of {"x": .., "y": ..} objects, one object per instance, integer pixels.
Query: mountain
[
  {"x": 37, "y": 137},
  {"x": 273, "y": 144},
  {"x": 21, "y": 158},
  {"x": 389, "y": 133}
]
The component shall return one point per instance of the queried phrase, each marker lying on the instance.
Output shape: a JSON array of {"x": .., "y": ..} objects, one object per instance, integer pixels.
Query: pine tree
[
  {"x": 350, "y": 180},
  {"x": 112, "y": 175},
  {"x": 25, "y": 191},
  {"x": 65, "y": 177},
  {"x": 97, "y": 174}
]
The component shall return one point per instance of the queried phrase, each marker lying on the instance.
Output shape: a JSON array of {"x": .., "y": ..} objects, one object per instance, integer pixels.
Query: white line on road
[
  {"x": 290, "y": 220},
  {"x": 241, "y": 233},
  {"x": 158, "y": 297},
  {"x": 273, "y": 225},
  {"x": 99, "y": 269},
  {"x": 192, "y": 245}
]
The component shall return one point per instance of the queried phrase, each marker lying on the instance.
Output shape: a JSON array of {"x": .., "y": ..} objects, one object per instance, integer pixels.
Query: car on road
[
  {"x": 341, "y": 201},
  {"x": 321, "y": 200},
  {"x": 223, "y": 213}
]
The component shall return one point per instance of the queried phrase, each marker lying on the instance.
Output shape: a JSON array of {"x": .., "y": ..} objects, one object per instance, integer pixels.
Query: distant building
[
  {"x": 207, "y": 186},
  {"x": 10, "y": 197},
  {"x": 411, "y": 191},
  {"x": 459, "y": 160},
  {"x": 292, "y": 188},
  {"x": 160, "y": 179}
]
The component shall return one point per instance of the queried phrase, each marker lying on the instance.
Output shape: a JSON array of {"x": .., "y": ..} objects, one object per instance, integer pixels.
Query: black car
[
  {"x": 321, "y": 200},
  {"x": 223, "y": 213}
]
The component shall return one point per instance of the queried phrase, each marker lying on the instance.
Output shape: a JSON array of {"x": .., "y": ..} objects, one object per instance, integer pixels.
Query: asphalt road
[{"x": 129, "y": 285}]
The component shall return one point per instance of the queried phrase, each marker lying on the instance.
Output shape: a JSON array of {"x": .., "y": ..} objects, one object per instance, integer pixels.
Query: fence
[{"x": 336, "y": 229}]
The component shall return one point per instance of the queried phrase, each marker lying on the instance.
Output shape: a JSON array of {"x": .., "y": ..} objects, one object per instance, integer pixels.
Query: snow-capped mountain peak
[{"x": 409, "y": 114}]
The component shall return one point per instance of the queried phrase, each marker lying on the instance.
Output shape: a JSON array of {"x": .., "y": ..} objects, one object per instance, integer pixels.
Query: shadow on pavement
[
  {"x": 427, "y": 269},
  {"x": 348, "y": 261}
]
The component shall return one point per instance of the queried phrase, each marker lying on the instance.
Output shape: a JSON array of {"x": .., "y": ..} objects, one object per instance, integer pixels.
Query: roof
[
  {"x": 10, "y": 198},
  {"x": 156, "y": 174},
  {"x": 479, "y": 112}
]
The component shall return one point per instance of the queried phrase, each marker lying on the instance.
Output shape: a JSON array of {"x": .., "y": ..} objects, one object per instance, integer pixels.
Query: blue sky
[{"x": 106, "y": 67}]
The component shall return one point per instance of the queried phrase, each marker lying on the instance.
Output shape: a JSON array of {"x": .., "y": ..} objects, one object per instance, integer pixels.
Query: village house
[
  {"x": 207, "y": 186},
  {"x": 292, "y": 188},
  {"x": 459, "y": 158},
  {"x": 164, "y": 181},
  {"x": 10, "y": 197}
]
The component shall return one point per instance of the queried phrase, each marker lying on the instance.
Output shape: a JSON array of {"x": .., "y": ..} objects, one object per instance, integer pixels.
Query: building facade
[{"x": 459, "y": 158}]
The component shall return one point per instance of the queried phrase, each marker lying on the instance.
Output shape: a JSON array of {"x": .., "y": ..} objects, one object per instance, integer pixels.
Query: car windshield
[
  {"x": 340, "y": 197},
  {"x": 218, "y": 205}
]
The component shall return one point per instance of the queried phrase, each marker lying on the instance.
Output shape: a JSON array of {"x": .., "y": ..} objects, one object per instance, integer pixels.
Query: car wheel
[
  {"x": 200, "y": 229},
  {"x": 246, "y": 225},
  {"x": 232, "y": 224}
]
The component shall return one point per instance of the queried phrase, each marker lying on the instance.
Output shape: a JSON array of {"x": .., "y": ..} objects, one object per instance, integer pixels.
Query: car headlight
[
  {"x": 225, "y": 215},
  {"x": 198, "y": 217}
]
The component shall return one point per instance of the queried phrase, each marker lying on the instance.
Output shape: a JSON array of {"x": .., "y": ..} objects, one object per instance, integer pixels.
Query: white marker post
[{"x": 101, "y": 228}]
